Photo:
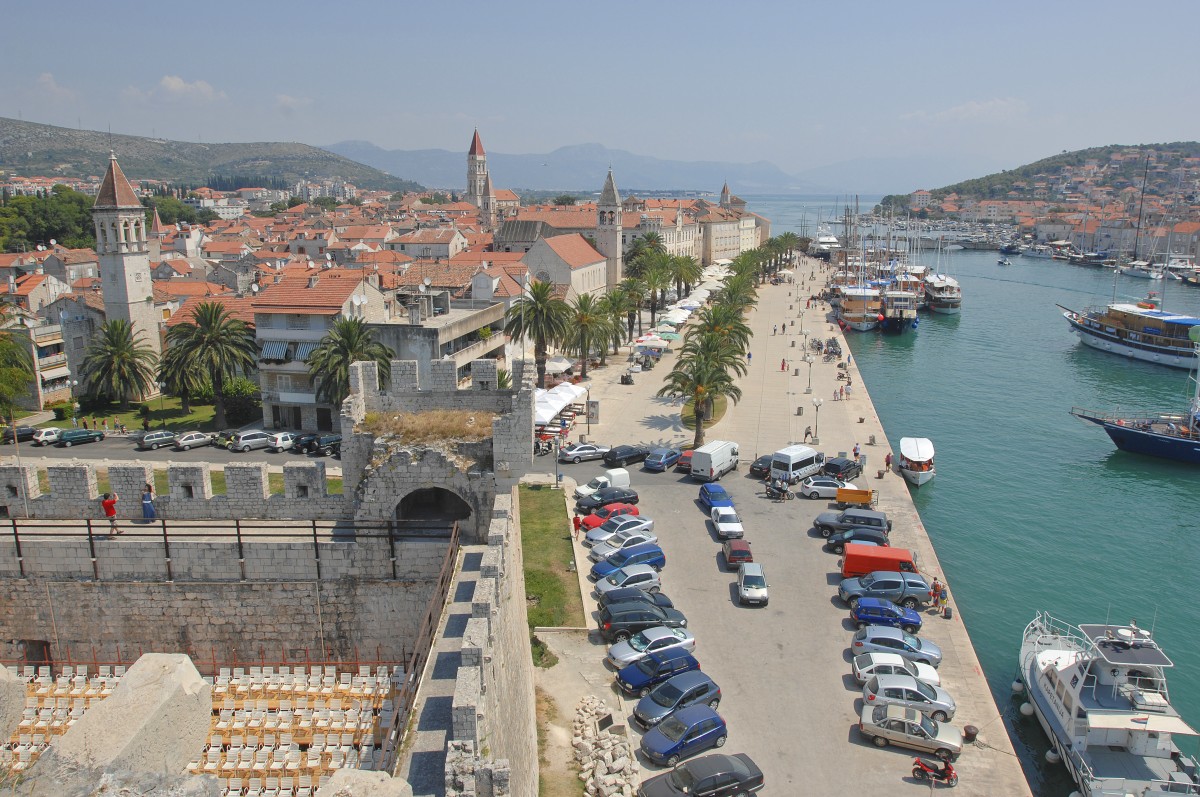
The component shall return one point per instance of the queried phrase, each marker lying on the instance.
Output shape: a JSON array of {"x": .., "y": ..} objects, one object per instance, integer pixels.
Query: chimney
[
  {"x": 12, "y": 284},
  {"x": 312, "y": 281}
]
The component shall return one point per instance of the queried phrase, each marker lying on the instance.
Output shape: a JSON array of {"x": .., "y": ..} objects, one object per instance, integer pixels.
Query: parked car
[
  {"x": 621, "y": 456},
  {"x": 842, "y": 468},
  {"x": 645, "y": 554},
  {"x": 619, "y": 621},
  {"x": 189, "y": 440},
  {"x": 882, "y": 639},
  {"x": 904, "y": 690},
  {"x": 614, "y": 526},
  {"x": 876, "y": 611},
  {"x": 822, "y": 487},
  {"x": 686, "y": 689},
  {"x": 19, "y": 433},
  {"x": 712, "y": 495},
  {"x": 910, "y": 590},
  {"x": 837, "y": 541},
  {"x": 686, "y": 732},
  {"x": 619, "y": 542},
  {"x": 46, "y": 435},
  {"x": 281, "y": 441},
  {"x": 324, "y": 445},
  {"x": 578, "y": 452},
  {"x": 714, "y": 775},
  {"x": 73, "y": 437},
  {"x": 606, "y": 513},
  {"x": 736, "y": 553},
  {"x": 761, "y": 467},
  {"x": 908, "y": 727},
  {"x": 726, "y": 522},
  {"x": 829, "y": 522},
  {"x": 752, "y": 584},
  {"x": 661, "y": 459},
  {"x": 609, "y": 495},
  {"x": 639, "y": 576},
  {"x": 684, "y": 463},
  {"x": 867, "y": 665},
  {"x": 626, "y": 594},
  {"x": 643, "y": 675},
  {"x": 301, "y": 441},
  {"x": 156, "y": 439},
  {"x": 245, "y": 441},
  {"x": 652, "y": 640}
]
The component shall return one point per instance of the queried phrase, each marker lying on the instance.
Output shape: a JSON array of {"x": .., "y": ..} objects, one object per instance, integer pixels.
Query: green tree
[
  {"x": 170, "y": 210},
  {"x": 564, "y": 200},
  {"x": 701, "y": 380},
  {"x": 657, "y": 276},
  {"x": 325, "y": 202},
  {"x": 617, "y": 307},
  {"x": 539, "y": 315},
  {"x": 685, "y": 270},
  {"x": 218, "y": 347},
  {"x": 790, "y": 243},
  {"x": 350, "y": 340},
  {"x": 724, "y": 320},
  {"x": 16, "y": 365},
  {"x": 295, "y": 201},
  {"x": 634, "y": 288},
  {"x": 117, "y": 364},
  {"x": 176, "y": 372},
  {"x": 588, "y": 325}
]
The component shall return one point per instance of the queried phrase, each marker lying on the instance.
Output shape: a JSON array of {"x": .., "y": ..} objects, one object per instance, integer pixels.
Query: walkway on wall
[{"x": 423, "y": 764}]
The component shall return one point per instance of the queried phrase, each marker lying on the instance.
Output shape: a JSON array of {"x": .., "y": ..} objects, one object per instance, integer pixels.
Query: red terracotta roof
[
  {"x": 575, "y": 251},
  {"x": 293, "y": 294},
  {"x": 476, "y": 145},
  {"x": 180, "y": 288},
  {"x": 239, "y": 307},
  {"x": 115, "y": 191}
]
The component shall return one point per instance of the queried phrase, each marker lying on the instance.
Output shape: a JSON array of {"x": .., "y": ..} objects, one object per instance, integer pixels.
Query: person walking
[
  {"x": 841, "y": 392},
  {"x": 749, "y": 357},
  {"x": 105, "y": 422},
  {"x": 85, "y": 426},
  {"x": 577, "y": 524},
  {"x": 783, "y": 364},
  {"x": 74, "y": 422},
  {"x": 935, "y": 592},
  {"x": 856, "y": 452},
  {"x": 148, "y": 513},
  {"x": 807, "y": 433},
  {"x": 774, "y": 329},
  {"x": 887, "y": 461},
  {"x": 108, "y": 502},
  {"x": 943, "y": 600}
]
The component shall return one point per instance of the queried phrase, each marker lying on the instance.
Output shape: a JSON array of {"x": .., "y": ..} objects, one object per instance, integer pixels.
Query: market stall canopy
[
  {"x": 549, "y": 403},
  {"x": 556, "y": 365}
]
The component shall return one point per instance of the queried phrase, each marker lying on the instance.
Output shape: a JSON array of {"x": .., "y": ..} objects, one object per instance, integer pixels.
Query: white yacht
[
  {"x": 916, "y": 460},
  {"x": 943, "y": 294}
]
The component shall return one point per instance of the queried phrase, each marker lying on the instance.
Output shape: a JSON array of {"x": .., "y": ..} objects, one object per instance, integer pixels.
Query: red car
[
  {"x": 605, "y": 512},
  {"x": 684, "y": 463},
  {"x": 737, "y": 552}
]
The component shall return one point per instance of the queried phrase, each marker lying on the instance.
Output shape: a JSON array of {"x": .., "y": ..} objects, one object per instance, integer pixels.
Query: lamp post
[
  {"x": 72, "y": 384},
  {"x": 808, "y": 358},
  {"x": 162, "y": 420},
  {"x": 816, "y": 438}
]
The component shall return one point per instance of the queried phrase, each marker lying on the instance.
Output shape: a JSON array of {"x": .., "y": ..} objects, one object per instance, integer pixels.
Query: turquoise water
[{"x": 1033, "y": 509}]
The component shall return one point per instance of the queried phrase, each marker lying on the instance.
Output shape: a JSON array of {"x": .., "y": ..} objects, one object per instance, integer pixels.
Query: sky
[{"x": 803, "y": 85}]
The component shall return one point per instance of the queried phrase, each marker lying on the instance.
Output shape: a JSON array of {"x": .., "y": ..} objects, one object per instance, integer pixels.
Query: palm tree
[
  {"x": 718, "y": 348},
  {"x": 213, "y": 344},
  {"x": 790, "y": 243},
  {"x": 635, "y": 289},
  {"x": 16, "y": 365},
  {"x": 739, "y": 292},
  {"x": 635, "y": 258},
  {"x": 348, "y": 341},
  {"x": 684, "y": 270},
  {"x": 540, "y": 315},
  {"x": 701, "y": 380},
  {"x": 117, "y": 364},
  {"x": 616, "y": 306},
  {"x": 503, "y": 379},
  {"x": 724, "y": 320},
  {"x": 587, "y": 326},
  {"x": 657, "y": 277},
  {"x": 176, "y": 372}
]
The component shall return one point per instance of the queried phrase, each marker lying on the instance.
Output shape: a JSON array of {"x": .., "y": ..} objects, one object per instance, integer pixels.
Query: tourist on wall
[{"x": 148, "y": 513}]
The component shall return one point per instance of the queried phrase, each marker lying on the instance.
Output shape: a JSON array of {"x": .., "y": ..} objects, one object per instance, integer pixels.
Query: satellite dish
[
  {"x": 428, "y": 281},
  {"x": 53, "y": 242},
  {"x": 422, "y": 287},
  {"x": 328, "y": 256},
  {"x": 254, "y": 288},
  {"x": 311, "y": 264}
]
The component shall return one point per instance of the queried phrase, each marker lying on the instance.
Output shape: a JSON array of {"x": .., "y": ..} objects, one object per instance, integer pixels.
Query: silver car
[
  {"x": 652, "y": 640},
  {"x": 904, "y": 690},
  {"x": 578, "y": 452},
  {"x": 867, "y": 665},
  {"x": 885, "y": 639},
  {"x": 618, "y": 542},
  {"x": 188, "y": 440},
  {"x": 606, "y": 530},
  {"x": 908, "y": 727},
  {"x": 823, "y": 487},
  {"x": 643, "y": 577}
]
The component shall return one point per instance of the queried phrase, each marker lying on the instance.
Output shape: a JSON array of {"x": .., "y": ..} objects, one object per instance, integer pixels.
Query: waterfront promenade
[{"x": 784, "y": 671}]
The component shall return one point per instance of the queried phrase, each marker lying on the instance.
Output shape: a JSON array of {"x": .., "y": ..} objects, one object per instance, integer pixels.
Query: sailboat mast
[{"x": 1141, "y": 204}]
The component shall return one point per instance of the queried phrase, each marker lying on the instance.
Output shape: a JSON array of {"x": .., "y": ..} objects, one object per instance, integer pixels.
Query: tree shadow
[{"x": 665, "y": 423}]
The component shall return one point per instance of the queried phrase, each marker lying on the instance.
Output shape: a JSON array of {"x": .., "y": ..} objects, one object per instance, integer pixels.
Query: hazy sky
[{"x": 800, "y": 84}]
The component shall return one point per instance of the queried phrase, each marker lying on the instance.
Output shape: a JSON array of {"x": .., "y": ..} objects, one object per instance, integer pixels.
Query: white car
[
  {"x": 618, "y": 542},
  {"x": 652, "y": 640},
  {"x": 578, "y": 452},
  {"x": 46, "y": 436},
  {"x": 192, "y": 440},
  {"x": 727, "y": 523},
  {"x": 823, "y": 487},
  {"x": 281, "y": 441},
  {"x": 867, "y": 665},
  {"x": 614, "y": 526}
]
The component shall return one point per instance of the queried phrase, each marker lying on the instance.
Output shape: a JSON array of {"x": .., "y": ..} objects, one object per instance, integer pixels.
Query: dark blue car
[
  {"x": 646, "y": 673},
  {"x": 714, "y": 495},
  {"x": 877, "y": 611},
  {"x": 645, "y": 554},
  {"x": 661, "y": 459},
  {"x": 686, "y": 732}
]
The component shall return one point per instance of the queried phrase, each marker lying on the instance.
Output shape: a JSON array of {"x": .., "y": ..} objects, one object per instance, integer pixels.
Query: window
[{"x": 297, "y": 321}]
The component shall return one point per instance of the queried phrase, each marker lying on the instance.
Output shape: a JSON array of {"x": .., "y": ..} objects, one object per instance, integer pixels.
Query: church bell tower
[{"x": 608, "y": 231}]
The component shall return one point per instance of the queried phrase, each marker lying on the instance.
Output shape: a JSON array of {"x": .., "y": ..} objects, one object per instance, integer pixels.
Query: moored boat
[
  {"x": 1099, "y": 691},
  {"x": 861, "y": 307},
  {"x": 1139, "y": 331},
  {"x": 916, "y": 460},
  {"x": 943, "y": 294},
  {"x": 1142, "y": 270},
  {"x": 1004, "y": 261},
  {"x": 899, "y": 306}
]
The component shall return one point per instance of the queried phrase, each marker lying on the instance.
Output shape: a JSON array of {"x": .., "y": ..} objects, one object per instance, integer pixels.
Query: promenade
[{"x": 784, "y": 670}]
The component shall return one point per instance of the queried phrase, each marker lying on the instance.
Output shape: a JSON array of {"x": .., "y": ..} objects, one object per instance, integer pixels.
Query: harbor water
[{"x": 1031, "y": 508}]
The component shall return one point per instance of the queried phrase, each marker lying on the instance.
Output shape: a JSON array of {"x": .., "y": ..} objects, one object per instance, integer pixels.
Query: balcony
[
  {"x": 51, "y": 360},
  {"x": 46, "y": 332},
  {"x": 478, "y": 349}
]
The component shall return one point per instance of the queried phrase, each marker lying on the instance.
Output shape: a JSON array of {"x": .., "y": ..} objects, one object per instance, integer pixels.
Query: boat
[
  {"x": 1191, "y": 278},
  {"x": 1139, "y": 331},
  {"x": 1157, "y": 434},
  {"x": 1004, "y": 261},
  {"x": 1142, "y": 270},
  {"x": 916, "y": 460},
  {"x": 943, "y": 294},
  {"x": 1039, "y": 251},
  {"x": 861, "y": 307},
  {"x": 1099, "y": 691}
]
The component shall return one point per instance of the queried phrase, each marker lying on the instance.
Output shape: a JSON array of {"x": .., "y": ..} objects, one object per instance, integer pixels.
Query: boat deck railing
[{"x": 1134, "y": 417}]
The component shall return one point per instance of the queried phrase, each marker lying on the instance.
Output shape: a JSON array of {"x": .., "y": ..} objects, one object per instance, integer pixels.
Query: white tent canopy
[
  {"x": 549, "y": 403},
  {"x": 916, "y": 449},
  {"x": 556, "y": 365}
]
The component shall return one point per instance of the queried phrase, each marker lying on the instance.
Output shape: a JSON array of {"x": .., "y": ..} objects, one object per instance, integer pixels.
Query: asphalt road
[{"x": 115, "y": 447}]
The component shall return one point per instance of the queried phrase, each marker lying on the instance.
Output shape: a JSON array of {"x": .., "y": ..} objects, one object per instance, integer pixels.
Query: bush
[
  {"x": 243, "y": 403},
  {"x": 62, "y": 411}
]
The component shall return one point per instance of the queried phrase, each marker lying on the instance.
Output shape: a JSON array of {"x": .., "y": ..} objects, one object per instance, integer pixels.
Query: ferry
[
  {"x": 899, "y": 305},
  {"x": 916, "y": 460},
  {"x": 1099, "y": 692},
  {"x": 1139, "y": 331},
  {"x": 943, "y": 294},
  {"x": 861, "y": 308}
]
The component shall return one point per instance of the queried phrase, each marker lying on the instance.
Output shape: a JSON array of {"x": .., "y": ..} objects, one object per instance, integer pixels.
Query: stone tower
[
  {"x": 477, "y": 172},
  {"x": 487, "y": 208},
  {"x": 724, "y": 200},
  {"x": 121, "y": 244},
  {"x": 608, "y": 231}
]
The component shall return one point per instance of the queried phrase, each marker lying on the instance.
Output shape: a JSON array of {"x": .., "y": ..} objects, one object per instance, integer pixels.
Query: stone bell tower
[{"x": 608, "y": 232}]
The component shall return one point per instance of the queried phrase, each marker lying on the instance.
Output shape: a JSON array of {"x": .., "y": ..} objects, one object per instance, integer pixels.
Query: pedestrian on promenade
[
  {"x": 108, "y": 502},
  {"x": 841, "y": 392},
  {"x": 943, "y": 600},
  {"x": 774, "y": 329},
  {"x": 85, "y": 426},
  {"x": 105, "y": 422},
  {"x": 148, "y": 513},
  {"x": 807, "y": 433},
  {"x": 749, "y": 357},
  {"x": 578, "y": 524},
  {"x": 808, "y": 304},
  {"x": 783, "y": 364},
  {"x": 887, "y": 461},
  {"x": 849, "y": 358},
  {"x": 74, "y": 422},
  {"x": 856, "y": 452},
  {"x": 835, "y": 394},
  {"x": 935, "y": 592},
  {"x": 145, "y": 424}
]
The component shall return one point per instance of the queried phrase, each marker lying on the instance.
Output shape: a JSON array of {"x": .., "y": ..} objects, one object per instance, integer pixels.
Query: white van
[
  {"x": 616, "y": 477},
  {"x": 713, "y": 460},
  {"x": 795, "y": 463}
]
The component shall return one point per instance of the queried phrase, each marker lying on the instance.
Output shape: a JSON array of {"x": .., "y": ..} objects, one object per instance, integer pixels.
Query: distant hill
[
  {"x": 28, "y": 148},
  {"x": 580, "y": 168}
]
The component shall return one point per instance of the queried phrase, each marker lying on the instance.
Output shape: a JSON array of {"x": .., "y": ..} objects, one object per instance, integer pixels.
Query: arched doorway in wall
[{"x": 432, "y": 504}]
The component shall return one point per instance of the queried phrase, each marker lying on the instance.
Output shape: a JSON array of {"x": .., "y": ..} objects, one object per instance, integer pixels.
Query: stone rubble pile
[{"x": 607, "y": 765}]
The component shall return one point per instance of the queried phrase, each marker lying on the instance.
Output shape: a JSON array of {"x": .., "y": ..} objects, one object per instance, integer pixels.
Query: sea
[{"x": 1033, "y": 509}]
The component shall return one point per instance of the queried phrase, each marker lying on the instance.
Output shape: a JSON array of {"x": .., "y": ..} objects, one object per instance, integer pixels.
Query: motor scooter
[
  {"x": 936, "y": 771},
  {"x": 777, "y": 493}
]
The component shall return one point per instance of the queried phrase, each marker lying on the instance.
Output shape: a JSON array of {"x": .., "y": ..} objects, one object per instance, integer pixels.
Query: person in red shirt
[
  {"x": 109, "y": 503},
  {"x": 577, "y": 523}
]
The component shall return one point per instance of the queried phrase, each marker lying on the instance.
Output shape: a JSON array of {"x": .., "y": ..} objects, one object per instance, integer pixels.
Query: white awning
[
  {"x": 1155, "y": 723},
  {"x": 556, "y": 365},
  {"x": 58, "y": 372},
  {"x": 917, "y": 449}
]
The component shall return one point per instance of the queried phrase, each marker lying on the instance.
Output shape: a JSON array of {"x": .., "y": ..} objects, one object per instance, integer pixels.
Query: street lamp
[
  {"x": 72, "y": 384},
  {"x": 162, "y": 419},
  {"x": 816, "y": 438},
  {"x": 808, "y": 358}
]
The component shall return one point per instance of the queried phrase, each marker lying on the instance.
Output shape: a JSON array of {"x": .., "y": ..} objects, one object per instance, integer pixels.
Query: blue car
[
  {"x": 684, "y": 733},
  {"x": 714, "y": 495},
  {"x": 661, "y": 459},
  {"x": 645, "y": 554},
  {"x": 877, "y": 611},
  {"x": 646, "y": 673}
]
